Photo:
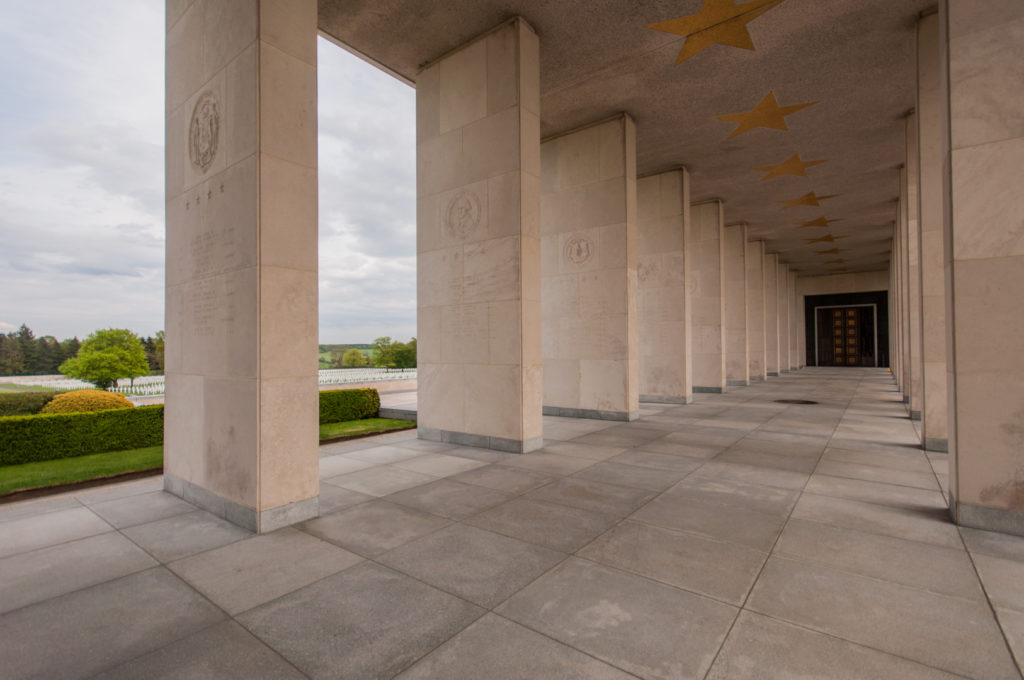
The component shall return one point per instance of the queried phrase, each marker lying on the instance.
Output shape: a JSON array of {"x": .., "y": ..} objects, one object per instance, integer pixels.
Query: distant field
[
  {"x": 325, "y": 352},
  {"x": 10, "y": 387}
]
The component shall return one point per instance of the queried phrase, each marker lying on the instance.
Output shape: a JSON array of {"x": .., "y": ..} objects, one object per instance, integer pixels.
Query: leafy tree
[
  {"x": 353, "y": 358},
  {"x": 106, "y": 356},
  {"x": 405, "y": 354},
  {"x": 158, "y": 350},
  {"x": 29, "y": 350},
  {"x": 12, "y": 362},
  {"x": 49, "y": 355},
  {"x": 383, "y": 352}
]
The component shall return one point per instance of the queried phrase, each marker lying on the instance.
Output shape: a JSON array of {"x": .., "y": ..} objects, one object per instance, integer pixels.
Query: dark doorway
[{"x": 849, "y": 329}]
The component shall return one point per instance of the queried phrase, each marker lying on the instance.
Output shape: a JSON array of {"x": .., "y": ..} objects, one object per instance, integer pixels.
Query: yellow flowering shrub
[{"x": 82, "y": 401}]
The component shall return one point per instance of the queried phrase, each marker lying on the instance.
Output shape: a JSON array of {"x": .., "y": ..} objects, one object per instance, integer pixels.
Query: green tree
[
  {"x": 383, "y": 352},
  {"x": 29, "y": 351},
  {"x": 353, "y": 358},
  {"x": 405, "y": 354},
  {"x": 158, "y": 350},
  {"x": 12, "y": 362},
  {"x": 106, "y": 356}
]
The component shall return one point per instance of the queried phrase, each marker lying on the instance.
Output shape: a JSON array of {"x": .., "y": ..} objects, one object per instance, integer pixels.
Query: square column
[
  {"x": 706, "y": 281},
  {"x": 478, "y": 243},
  {"x": 985, "y": 261},
  {"x": 663, "y": 309},
  {"x": 913, "y": 243},
  {"x": 783, "y": 273},
  {"x": 901, "y": 231},
  {"x": 934, "y": 416},
  {"x": 794, "y": 325},
  {"x": 771, "y": 314},
  {"x": 755, "y": 309},
  {"x": 588, "y": 227},
  {"x": 241, "y": 412},
  {"x": 737, "y": 351}
]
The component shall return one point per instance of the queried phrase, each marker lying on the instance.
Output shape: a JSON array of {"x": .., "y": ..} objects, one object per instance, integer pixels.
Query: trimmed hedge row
[
  {"x": 23, "y": 403},
  {"x": 27, "y": 439},
  {"x": 338, "y": 406}
]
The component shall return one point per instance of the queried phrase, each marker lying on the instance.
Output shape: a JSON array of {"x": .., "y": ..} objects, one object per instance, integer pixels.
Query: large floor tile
[
  {"x": 558, "y": 527},
  {"x": 596, "y": 496},
  {"x": 498, "y": 649},
  {"x": 381, "y": 480},
  {"x": 951, "y": 633},
  {"x": 760, "y": 648},
  {"x": 549, "y": 463},
  {"x": 910, "y": 461},
  {"x": 183, "y": 535},
  {"x": 373, "y": 528},
  {"x": 613, "y": 472},
  {"x": 87, "y": 631},
  {"x": 754, "y": 474},
  {"x": 334, "y": 498},
  {"x": 658, "y": 461},
  {"x": 770, "y": 459},
  {"x": 1012, "y": 623},
  {"x": 39, "y": 531},
  {"x": 439, "y": 465},
  {"x": 649, "y": 629},
  {"x": 226, "y": 652},
  {"x": 242, "y": 575},
  {"x": 34, "y": 576},
  {"x": 874, "y": 492},
  {"x": 147, "y": 507},
  {"x": 503, "y": 478},
  {"x": 480, "y": 566},
  {"x": 874, "y": 473},
  {"x": 914, "y": 524},
  {"x": 37, "y": 506},
  {"x": 384, "y": 454},
  {"x": 1003, "y": 581},
  {"x": 332, "y": 466},
  {"x": 364, "y": 623},
  {"x": 450, "y": 499},
  {"x": 993, "y": 543},
  {"x": 724, "y": 571},
  {"x": 912, "y": 563}
]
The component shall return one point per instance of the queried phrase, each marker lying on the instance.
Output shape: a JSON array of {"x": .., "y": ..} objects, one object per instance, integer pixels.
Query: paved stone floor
[{"x": 732, "y": 538}]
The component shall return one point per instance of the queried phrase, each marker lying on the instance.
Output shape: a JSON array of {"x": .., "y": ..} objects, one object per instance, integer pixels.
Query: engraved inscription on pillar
[
  {"x": 203, "y": 132},
  {"x": 462, "y": 215},
  {"x": 578, "y": 250}
]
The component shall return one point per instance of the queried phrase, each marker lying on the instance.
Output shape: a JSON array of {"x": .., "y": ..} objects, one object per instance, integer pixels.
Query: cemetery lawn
[
  {"x": 11, "y": 387},
  {"x": 364, "y": 426},
  {"x": 79, "y": 468}
]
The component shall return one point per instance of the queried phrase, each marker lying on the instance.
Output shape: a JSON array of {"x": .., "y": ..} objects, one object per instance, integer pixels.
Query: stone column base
[{"x": 248, "y": 518}]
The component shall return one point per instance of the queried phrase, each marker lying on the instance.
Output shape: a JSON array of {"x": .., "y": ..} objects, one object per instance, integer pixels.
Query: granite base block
[
  {"x": 480, "y": 441},
  {"x": 248, "y": 518},
  {"x": 591, "y": 414}
]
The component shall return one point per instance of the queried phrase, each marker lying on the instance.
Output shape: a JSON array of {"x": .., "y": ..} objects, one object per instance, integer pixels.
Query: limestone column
[
  {"x": 241, "y": 410},
  {"x": 755, "y": 309},
  {"x": 663, "y": 309},
  {"x": 985, "y": 260},
  {"x": 795, "y": 318},
  {"x": 771, "y": 314},
  {"x": 901, "y": 230},
  {"x": 737, "y": 351},
  {"x": 707, "y": 285},
  {"x": 588, "y": 227},
  {"x": 783, "y": 307},
  {"x": 934, "y": 415},
  {"x": 913, "y": 243},
  {"x": 478, "y": 243}
]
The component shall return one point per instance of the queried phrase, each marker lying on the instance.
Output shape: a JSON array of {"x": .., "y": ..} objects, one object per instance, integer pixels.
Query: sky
[{"x": 82, "y": 177}]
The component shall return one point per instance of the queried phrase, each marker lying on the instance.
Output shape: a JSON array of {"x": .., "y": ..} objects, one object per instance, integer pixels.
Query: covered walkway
[{"x": 736, "y": 537}]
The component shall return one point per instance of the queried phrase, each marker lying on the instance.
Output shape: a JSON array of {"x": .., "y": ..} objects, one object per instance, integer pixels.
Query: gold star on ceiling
[
  {"x": 807, "y": 199},
  {"x": 791, "y": 166},
  {"x": 830, "y": 251},
  {"x": 767, "y": 114},
  {"x": 819, "y": 222},
  {"x": 827, "y": 238},
  {"x": 718, "y": 21}
]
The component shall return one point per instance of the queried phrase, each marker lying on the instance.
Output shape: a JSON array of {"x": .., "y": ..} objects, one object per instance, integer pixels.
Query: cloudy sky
[{"x": 81, "y": 177}]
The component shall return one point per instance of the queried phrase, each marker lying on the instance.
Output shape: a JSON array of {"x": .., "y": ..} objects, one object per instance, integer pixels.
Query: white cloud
[{"x": 81, "y": 177}]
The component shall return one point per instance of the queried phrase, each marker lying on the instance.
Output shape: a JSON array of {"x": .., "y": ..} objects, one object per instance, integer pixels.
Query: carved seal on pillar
[
  {"x": 204, "y": 131},
  {"x": 462, "y": 214},
  {"x": 578, "y": 250}
]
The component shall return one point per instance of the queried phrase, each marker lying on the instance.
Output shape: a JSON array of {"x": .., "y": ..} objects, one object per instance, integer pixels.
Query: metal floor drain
[{"x": 795, "y": 401}]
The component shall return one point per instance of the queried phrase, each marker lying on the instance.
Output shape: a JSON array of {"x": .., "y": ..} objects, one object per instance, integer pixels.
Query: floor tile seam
[
  {"x": 992, "y": 607},
  {"x": 449, "y": 522},
  {"x": 176, "y": 514},
  {"x": 879, "y": 504},
  {"x": 834, "y": 636},
  {"x": 687, "y": 532},
  {"x": 876, "y": 466},
  {"x": 45, "y": 499},
  {"x": 938, "y": 489},
  {"x": 66, "y": 541},
  {"x": 166, "y": 563}
]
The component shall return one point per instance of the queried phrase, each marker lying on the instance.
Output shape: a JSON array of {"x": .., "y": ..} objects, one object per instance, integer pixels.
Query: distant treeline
[{"x": 22, "y": 353}]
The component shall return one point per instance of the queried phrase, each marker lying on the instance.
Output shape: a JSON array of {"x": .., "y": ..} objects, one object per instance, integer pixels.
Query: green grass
[
  {"x": 364, "y": 426},
  {"x": 11, "y": 387},
  {"x": 79, "y": 468}
]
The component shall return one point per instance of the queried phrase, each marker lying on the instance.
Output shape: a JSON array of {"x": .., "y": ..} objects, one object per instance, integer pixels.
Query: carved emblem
[
  {"x": 203, "y": 132},
  {"x": 578, "y": 250},
  {"x": 463, "y": 214}
]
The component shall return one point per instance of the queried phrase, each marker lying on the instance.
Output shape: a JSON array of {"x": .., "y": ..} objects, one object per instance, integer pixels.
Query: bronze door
[{"x": 846, "y": 336}]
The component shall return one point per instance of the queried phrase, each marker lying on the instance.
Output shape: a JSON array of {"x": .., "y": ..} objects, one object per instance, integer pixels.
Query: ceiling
[{"x": 838, "y": 75}]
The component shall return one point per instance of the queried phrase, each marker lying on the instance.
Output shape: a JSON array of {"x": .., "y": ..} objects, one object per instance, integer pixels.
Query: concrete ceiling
[{"x": 855, "y": 58}]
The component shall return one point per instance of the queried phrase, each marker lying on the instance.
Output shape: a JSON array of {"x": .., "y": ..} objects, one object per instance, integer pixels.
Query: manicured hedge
[
  {"x": 338, "y": 406},
  {"x": 26, "y": 439},
  {"x": 23, "y": 403}
]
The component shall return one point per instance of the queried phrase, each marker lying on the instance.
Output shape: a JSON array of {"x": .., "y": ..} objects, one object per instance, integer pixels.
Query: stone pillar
[
  {"x": 985, "y": 260},
  {"x": 901, "y": 230},
  {"x": 707, "y": 285},
  {"x": 663, "y": 309},
  {"x": 478, "y": 243},
  {"x": 783, "y": 306},
  {"x": 795, "y": 325},
  {"x": 755, "y": 309},
  {"x": 934, "y": 415},
  {"x": 913, "y": 242},
  {"x": 241, "y": 411},
  {"x": 737, "y": 351},
  {"x": 588, "y": 227},
  {"x": 771, "y": 314}
]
